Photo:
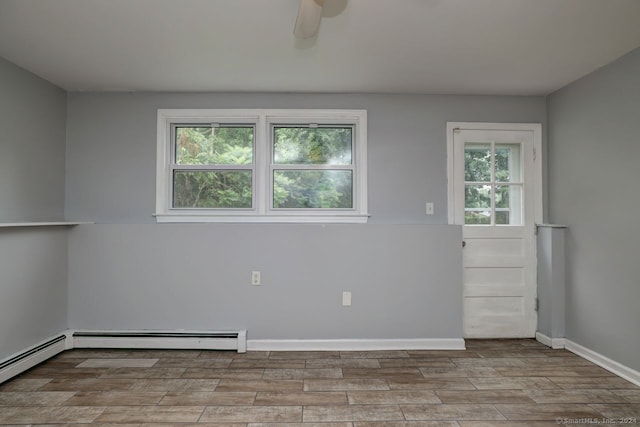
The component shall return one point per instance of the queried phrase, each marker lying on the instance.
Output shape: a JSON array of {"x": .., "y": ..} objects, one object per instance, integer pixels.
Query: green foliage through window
[
  {"x": 312, "y": 146},
  {"x": 213, "y": 146},
  {"x": 483, "y": 173},
  {"x": 212, "y": 189},
  {"x": 317, "y": 189},
  {"x": 315, "y": 154}
]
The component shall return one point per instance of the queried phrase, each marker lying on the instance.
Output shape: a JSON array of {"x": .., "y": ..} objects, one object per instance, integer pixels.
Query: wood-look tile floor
[{"x": 493, "y": 383}]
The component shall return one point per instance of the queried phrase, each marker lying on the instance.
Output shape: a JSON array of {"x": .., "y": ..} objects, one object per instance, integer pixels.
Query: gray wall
[
  {"x": 32, "y": 146},
  {"x": 403, "y": 267},
  {"x": 551, "y": 281},
  {"x": 594, "y": 161},
  {"x": 405, "y": 280},
  {"x": 33, "y": 261},
  {"x": 33, "y": 286},
  {"x": 111, "y": 147}
]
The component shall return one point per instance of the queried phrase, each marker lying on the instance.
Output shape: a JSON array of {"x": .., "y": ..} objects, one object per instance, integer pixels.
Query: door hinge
[
  {"x": 535, "y": 154},
  {"x": 456, "y": 130},
  {"x": 536, "y": 304}
]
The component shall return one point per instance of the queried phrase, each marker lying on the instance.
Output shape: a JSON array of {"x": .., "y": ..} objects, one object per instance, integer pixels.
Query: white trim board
[
  {"x": 554, "y": 343},
  {"x": 44, "y": 224},
  {"x": 357, "y": 344},
  {"x": 610, "y": 365}
]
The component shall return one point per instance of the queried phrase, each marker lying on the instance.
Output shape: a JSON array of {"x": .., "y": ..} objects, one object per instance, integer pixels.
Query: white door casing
[{"x": 495, "y": 183}]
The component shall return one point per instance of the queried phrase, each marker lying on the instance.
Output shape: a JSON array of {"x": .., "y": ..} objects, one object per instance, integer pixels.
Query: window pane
[
  {"x": 478, "y": 217},
  {"x": 312, "y": 146},
  {"x": 214, "y": 145},
  {"x": 316, "y": 189},
  {"x": 508, "y": 204},
  {"x": 502, "y": 217},
  {"x": 477, "y": 162},
  {"x": 212, "y": 189},
  {"x": 477, "y": 196},
  {"x": 508, "y": 163},
  {"x": 477, "y": 203}
]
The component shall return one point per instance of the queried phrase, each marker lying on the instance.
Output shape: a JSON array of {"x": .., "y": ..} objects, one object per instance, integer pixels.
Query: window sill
[{"x": 299, "y": 219}]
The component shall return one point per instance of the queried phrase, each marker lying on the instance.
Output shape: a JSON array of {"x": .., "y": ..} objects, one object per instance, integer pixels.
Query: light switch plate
[{"x": 346, "y": 298}]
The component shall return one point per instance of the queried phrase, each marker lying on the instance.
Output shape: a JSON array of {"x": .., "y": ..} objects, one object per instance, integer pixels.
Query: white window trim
[{"x": 263, "y": 119}]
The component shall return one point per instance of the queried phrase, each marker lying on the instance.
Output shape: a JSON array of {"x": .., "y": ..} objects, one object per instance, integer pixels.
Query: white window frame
[
  {"x": 264, "y": 120},
  {"x": 536, "y": 179}
]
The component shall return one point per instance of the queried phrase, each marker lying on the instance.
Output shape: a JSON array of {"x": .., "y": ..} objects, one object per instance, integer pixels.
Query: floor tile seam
[
  {"x": 539, "y": 405},
  {"x": 351, "y": 407},
  {"x": 201, "y": 414},
  {"x": 403, "y": 413},
  {"x": 590, "y": 405},
  {"x": 164, "y": 394},
  {"x": 501, "y": 413}
]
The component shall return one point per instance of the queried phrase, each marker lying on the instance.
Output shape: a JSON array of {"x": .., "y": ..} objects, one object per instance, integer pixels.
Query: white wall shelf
[{"x": 43, "y": 224}]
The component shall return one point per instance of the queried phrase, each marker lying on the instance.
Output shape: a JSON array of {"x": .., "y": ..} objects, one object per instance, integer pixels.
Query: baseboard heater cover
[
  {"x": 18, "y": 363},
  {"x": 223, "y": 340}
]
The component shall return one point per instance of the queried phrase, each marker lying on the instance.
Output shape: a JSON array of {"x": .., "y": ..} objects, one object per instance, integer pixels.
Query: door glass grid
[{"x": 493, "y": 183}]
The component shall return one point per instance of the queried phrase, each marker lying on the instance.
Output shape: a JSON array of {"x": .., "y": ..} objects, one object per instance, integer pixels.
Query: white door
[{"x": 493, "y": 194}]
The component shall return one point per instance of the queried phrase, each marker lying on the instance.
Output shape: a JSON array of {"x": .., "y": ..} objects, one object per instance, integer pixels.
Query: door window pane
[
  {"x": 315, "y": 189},
  {"x": 477, "y": 203},
  {"x": 507, "y": 163},
  {"x": 227, "y": 145},
  {"x": 493, "y": 186},
  {"x": 212, "y": 189},
  {"x": 477, "y": 217},
  {"x": 502, "y": 217},
  {"x": 508, "y": 203},
  {"x": 312, "y": 146},
  {"x": 477, "y": 162}
]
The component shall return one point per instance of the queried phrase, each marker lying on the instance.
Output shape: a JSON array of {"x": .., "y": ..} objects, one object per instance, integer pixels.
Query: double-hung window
[{"x": 261, "y": 166}]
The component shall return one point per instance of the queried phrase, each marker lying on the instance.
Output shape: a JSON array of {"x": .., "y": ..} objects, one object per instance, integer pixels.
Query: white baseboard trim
[
  {"x": 554, "y": 343},
  {"x": 357, "y": 344},
  {"x": 610, "y": 365},
  {"x": 31, "y": 356}
]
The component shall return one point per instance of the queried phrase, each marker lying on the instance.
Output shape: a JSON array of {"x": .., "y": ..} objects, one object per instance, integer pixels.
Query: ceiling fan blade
[{"x": 308, "y": 21}]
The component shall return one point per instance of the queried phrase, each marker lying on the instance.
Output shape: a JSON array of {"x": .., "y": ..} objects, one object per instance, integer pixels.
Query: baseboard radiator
[
  {"x": 175, "y": 340},
  {"x": 29, "y": 358},
  {"x": 224, "y": 340}
]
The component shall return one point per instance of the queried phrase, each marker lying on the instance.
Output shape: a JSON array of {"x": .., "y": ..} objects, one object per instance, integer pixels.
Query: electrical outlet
[
  {"x": 255, "y": 278},
  {"x": 346, "y": 298},
  {"x": 429, "y": 208}
]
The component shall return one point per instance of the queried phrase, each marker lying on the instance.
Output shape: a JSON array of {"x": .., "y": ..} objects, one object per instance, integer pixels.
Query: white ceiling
[{"x": 521, "y": 47}]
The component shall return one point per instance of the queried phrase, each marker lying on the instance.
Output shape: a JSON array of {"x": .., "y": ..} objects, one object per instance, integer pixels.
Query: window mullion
[
  {"x": 311, "y": 167},
  {"x": 493, "y": 183},
  {"x": 175, "y": 167},
  {"x": 261, "y": 162}
]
